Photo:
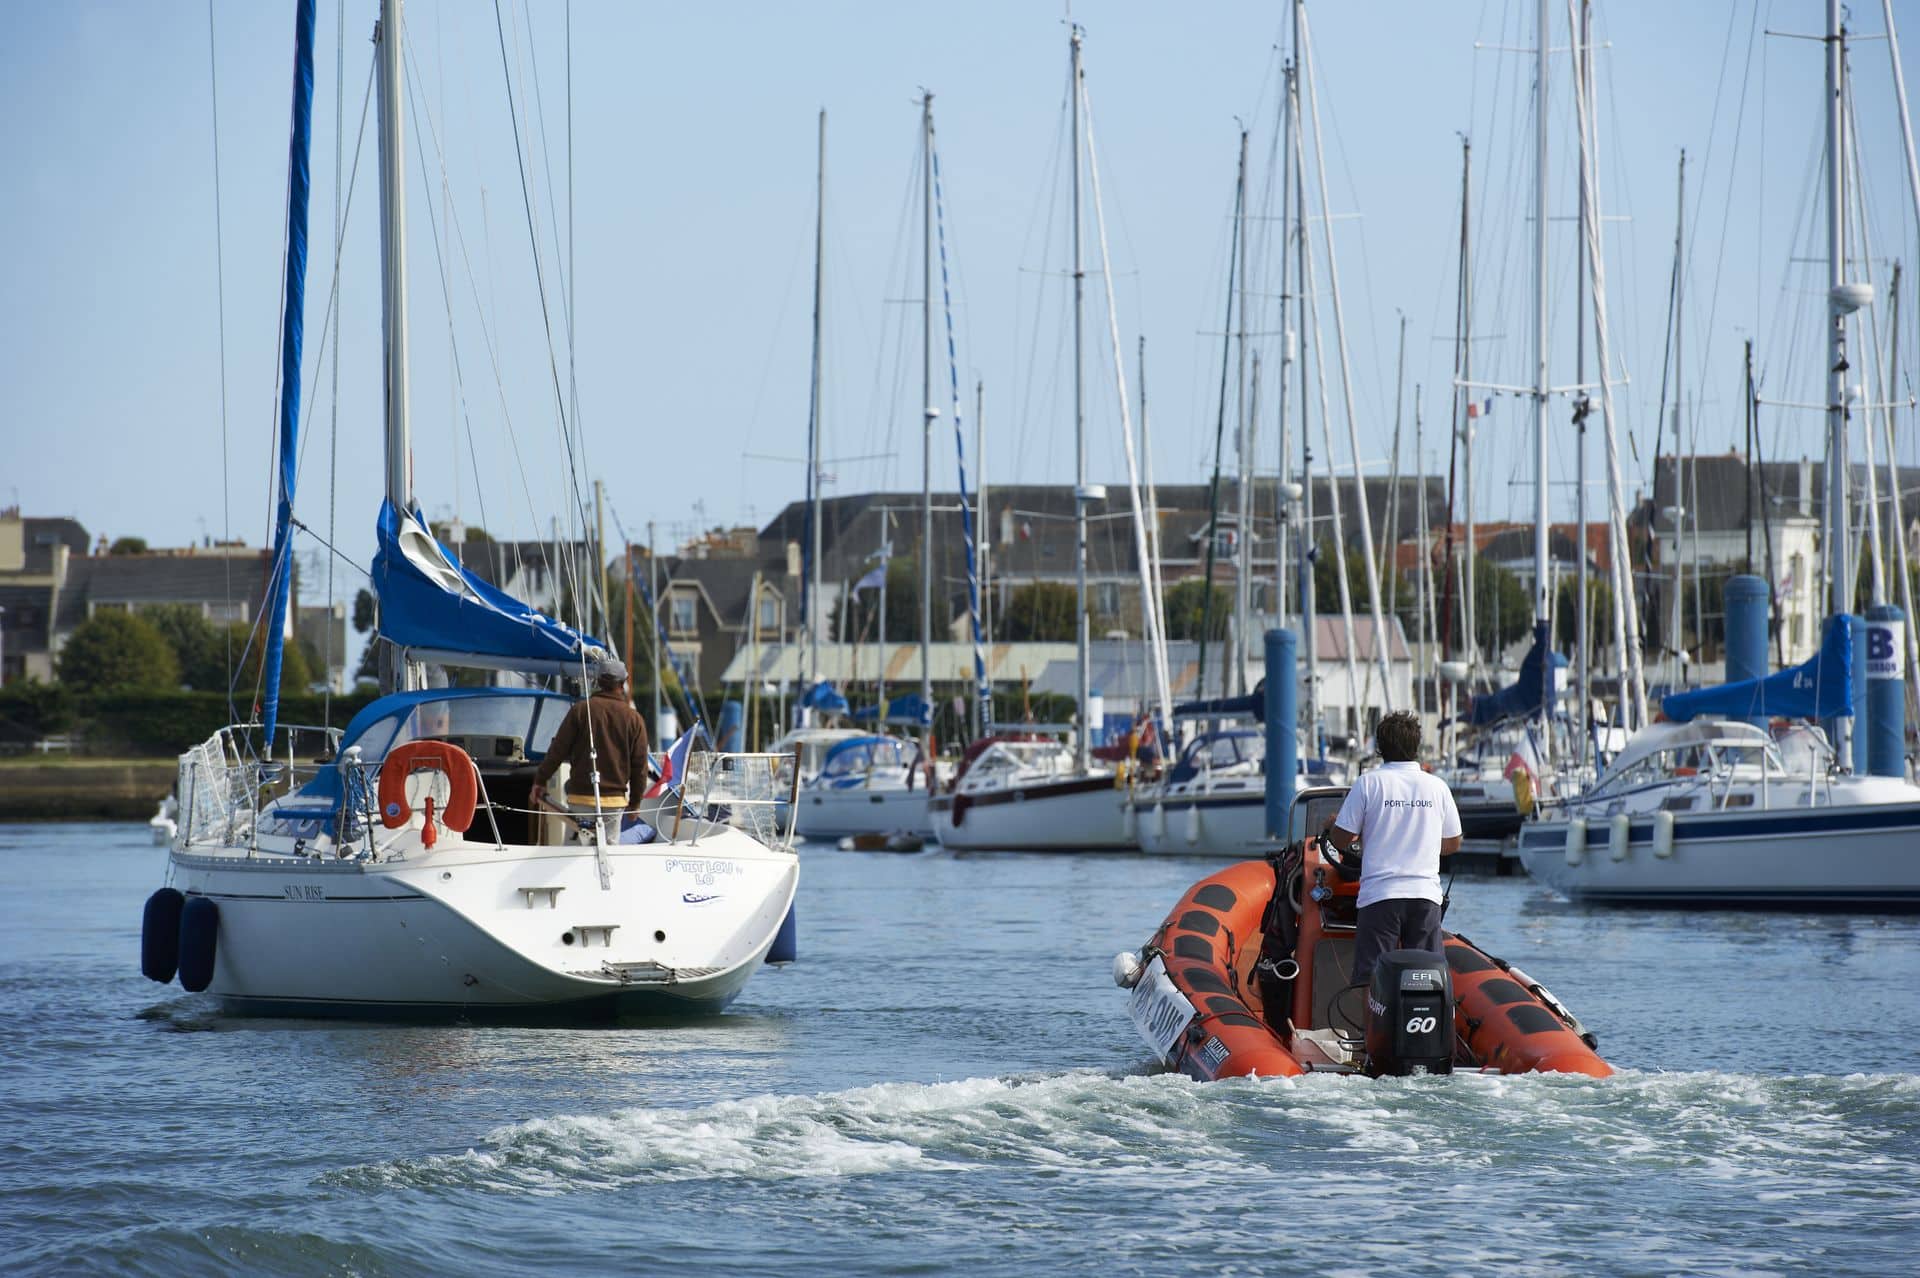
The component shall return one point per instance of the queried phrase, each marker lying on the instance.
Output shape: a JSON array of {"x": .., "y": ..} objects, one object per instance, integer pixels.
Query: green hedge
[{"x": 156, "y": 724}]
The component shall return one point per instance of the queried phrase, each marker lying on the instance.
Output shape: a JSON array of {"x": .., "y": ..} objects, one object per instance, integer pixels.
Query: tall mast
[
  {"x": 1542, "y": 587},
  {"x": 1234, "y": 677},
  {"x": 929, "y": 413},
  {"x": 1081, "y": 493},
  {"x": 1838, "y": 546},
  {"x": 393, "y": 256},
  {"x": 1465, "y": 361},
  {"x": 1676, "y": 642},
  {"x": 395, "y": 674},
  {"x": 1306, "y": 550},
  {"x": 812, "y": 585},
  {"x": 1582, "y": 405},
  {"x": 1282, "y": 513}
]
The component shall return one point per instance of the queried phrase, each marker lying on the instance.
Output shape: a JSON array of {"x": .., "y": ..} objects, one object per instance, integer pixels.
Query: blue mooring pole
[
  {"x": 1886, "y": 727},
  {"x": 1283, "y": 729},
  {"x": 1747, "y": 608},
  {"x": 1857, "y": 696}
]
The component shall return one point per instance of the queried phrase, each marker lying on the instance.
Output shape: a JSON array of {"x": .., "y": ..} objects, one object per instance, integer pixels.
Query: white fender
[
  {"x": 1130, "y": 823},
  {"x": 1663, "y": 834},
  {"x": 1193, "y": 824},
  {"x": 1576, "y": 840},
  {"x": 1159, "y": 820},
  {"x": 1618, "y": 836}
]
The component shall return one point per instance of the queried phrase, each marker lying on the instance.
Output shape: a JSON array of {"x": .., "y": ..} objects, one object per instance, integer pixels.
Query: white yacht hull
[
  {"x": 1865, "y": 856},
  {"x": 1231, "y": 826},
  {"x": 475, "y": 931},
  {"x": 1080, "y": 814},
  {"x": 834, "y": 814}
]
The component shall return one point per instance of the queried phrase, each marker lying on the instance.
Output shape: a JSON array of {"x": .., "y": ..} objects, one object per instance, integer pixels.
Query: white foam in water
[
  {"x": 1087, "y": 1121},
  {"x": 1639, "y": 1168}
]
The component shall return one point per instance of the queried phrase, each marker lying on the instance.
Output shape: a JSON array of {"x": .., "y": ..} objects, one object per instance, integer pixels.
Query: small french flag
[
  {"x": 673, "y": 764},
  {"x": 1476, "y": 408}
]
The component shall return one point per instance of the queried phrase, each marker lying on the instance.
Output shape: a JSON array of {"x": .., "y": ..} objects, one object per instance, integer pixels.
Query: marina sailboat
[
  {"x": 1742, "y": 797},
  {"x": 1026, "y": 790},
  {"x": 398, "y": 867}
]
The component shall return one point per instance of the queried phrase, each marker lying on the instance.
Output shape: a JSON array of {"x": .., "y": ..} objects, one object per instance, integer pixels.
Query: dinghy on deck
[{"x": 1208, "y": 1005}]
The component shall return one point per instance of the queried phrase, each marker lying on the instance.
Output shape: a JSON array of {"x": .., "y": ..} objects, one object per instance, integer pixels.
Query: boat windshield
[
  {"x": 1218, "y": 751},
  {"x": 516, "y": 723},
  {"x": 857, "y": 758}
]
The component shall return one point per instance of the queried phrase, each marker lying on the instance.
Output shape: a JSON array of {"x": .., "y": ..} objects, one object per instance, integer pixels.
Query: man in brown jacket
[{"x": 603, "y": 740}]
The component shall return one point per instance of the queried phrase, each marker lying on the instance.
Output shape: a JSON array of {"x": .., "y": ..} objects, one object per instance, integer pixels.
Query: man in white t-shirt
[{"x": 1406, "y": 821}]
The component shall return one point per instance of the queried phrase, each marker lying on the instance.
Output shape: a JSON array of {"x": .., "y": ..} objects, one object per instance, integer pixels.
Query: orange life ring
[{"x": 463, "y": 780}]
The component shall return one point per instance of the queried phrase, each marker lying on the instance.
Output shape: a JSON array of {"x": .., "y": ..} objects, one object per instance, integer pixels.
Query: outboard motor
[{"x": 1410, "y": 1014}]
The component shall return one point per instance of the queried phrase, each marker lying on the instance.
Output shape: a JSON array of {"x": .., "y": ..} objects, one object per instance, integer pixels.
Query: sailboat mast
[
  {"x": 1081, "y": 494},
  {"x": 1542, "y": 586},
  {"x": 395, "y": 674},
  {"x": 812, "y": 610},
  {"x": 929, "y": 414},
  {"x": 1837, "y": 534},
  {"x": 1676, "y": 642},
  {"x": 1308, "y": 536},
  {"x": 1839, "y": 557},
  {"x": 1233, "y": 680},
  {"x": 1281, "y": 513},
  {"x": 1583, "y": 404},
  {"x": 393, "y": 256},
  {"x": 1465, "y": 361}
]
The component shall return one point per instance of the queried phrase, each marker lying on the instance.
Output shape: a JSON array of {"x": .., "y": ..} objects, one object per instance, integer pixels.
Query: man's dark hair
[{"x": 1398, "y": 737}]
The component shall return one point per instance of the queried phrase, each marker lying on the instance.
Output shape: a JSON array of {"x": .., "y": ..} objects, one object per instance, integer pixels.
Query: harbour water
[{"x": 947, "y": 1082}]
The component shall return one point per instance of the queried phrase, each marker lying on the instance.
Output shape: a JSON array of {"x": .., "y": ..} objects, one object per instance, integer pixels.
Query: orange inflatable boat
[{"x": 1249, "y": 976}]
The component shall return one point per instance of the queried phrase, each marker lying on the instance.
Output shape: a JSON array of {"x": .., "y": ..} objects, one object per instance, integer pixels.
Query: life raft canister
[{"x": 463, "y": 781}]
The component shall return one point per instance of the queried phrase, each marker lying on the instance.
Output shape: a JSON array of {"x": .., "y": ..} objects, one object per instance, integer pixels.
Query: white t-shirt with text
[{"x": 1401, "y": 814}]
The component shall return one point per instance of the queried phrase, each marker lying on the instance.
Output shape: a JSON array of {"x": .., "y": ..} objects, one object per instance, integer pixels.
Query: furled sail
[
  {"x": 441, "y": 612},
  {"x": 1818, "y": 688}
]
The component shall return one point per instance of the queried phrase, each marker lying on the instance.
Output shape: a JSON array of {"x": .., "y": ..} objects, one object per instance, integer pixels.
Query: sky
[{"x": 138, "y": 343}]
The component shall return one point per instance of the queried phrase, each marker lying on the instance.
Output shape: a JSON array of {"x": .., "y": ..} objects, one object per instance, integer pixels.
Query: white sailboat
[
  {"x": 1708, "y": 809},
  {"x": 1020, "y": 791},
  {"x": 397, "y": 868}
]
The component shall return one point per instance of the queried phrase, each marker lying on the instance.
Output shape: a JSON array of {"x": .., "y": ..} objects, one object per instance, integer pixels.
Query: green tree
[
  {"x": 903, "y": 608},
  {"x": 198, "y": 647},
  {"x": 1599, "y": 613},
  {"x": 1184, "y": 604},
  {"x": 118, "y": 652},
  {"x": 128, "y": 546},
  {"x": 1042, "y": 611},
  {"x": 1502, "y": 609},
  {"x": 295, "y": 673},
  {"x": 363, "y": 612}
]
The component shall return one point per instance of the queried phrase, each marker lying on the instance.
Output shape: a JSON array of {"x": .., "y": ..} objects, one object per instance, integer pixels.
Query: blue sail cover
[
  {"x": 429, "y": 601},
  {"x": 1818, "y": 688},
  {"x": 909, "y": 710},
  {"x": 293, "y": 313},
  {"x": 825, "y": 698},
  {"x": 1522, "y": 698}
]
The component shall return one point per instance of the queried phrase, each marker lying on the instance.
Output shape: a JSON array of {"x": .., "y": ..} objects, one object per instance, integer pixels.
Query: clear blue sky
[{"x": 693, "y": 158}]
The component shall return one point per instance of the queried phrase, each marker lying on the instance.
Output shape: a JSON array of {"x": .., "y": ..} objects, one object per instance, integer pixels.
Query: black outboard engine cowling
[{"x": 1410, "y": 1014}]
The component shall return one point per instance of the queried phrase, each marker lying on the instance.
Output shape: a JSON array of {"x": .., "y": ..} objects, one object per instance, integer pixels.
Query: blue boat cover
[
  {"x": 427, "y": 600},
  {"x": 1818, "y": 688},
  {"x": 825, "y": 698},
  {"x": 1522, "y": 698},
  {"x": 907, "y": 710}
]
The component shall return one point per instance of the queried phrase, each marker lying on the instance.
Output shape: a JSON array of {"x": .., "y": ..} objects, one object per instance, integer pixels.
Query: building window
[
  {"x": 1799, "y": 629},
  {"x": 1106, "y": 598},
  {"x": 684, "y": 620},
  {"x": 769, "y": 618}
]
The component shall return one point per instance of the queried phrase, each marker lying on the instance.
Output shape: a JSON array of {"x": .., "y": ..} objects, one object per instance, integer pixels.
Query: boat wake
[{"x": 1784, "y": 1140}]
